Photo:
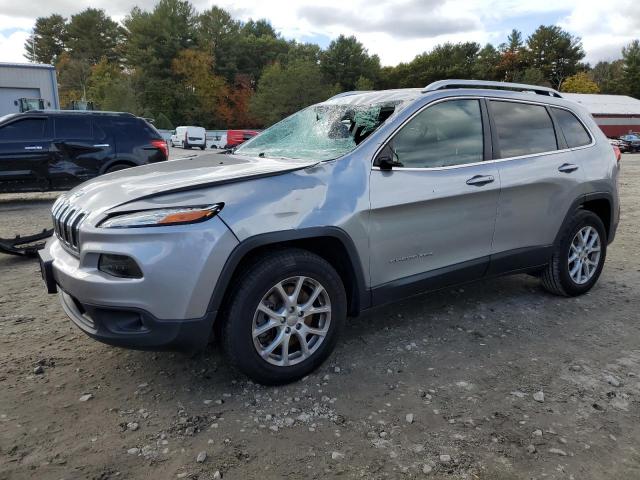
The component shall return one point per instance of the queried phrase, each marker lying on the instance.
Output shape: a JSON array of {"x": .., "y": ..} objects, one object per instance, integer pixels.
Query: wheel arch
[
  {"x": 600, "y": 203},
  {"x": 331, "y": 243},
  {"x": 115, "y": 163}
]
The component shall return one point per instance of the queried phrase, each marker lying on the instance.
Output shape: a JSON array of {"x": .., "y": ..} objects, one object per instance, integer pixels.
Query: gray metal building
[{"x": 27, "y": 80}]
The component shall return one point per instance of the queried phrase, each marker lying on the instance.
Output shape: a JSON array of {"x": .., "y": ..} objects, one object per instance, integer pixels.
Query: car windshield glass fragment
[{"x": 320, "y": 132}]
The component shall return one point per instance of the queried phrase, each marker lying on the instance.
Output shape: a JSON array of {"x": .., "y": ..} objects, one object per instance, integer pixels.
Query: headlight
[{"x": 162, "y": 217}]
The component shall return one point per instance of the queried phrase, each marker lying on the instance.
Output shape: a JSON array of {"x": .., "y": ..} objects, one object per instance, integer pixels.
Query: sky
[{"x": 395, "y": 30}]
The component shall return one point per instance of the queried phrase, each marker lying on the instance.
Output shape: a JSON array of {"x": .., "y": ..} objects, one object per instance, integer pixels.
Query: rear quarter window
[
  {"x": 574, "y": 132},
  {"x": 522, "y": 128}
]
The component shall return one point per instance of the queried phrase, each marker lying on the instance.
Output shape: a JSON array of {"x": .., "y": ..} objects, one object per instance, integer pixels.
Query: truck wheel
[
  {"x": 284, "y": 316},
  {"x": 578, "y": 257}
]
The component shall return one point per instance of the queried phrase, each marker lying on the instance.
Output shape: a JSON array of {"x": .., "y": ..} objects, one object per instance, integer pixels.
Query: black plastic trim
[
  {"x": 102, "y": 324},
  {"x": 519, "y": 259},
  {"x": 586, "y": 198},
  {"x": 460, "y": 273},
  {"x": 362, "y": 295}
]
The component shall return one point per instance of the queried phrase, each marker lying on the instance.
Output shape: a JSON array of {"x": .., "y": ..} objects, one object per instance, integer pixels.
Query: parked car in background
[
  {"x": 217, "y": 138},
  {"x": 238, "y": 137},
  {"x": 58, "y": 149},
  {"x": 633, "y": 140},
  {"x": 358, "y": 201},
  {"x": 622, "y": 145},
  {"x": 188, "y": 137}
]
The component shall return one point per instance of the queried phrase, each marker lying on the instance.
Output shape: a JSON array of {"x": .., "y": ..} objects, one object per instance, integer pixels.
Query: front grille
[{"x": 66, "y": 223}]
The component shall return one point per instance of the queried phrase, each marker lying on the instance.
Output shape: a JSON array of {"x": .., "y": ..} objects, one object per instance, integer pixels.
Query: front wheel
[
  {"x": 284, "y": 317},
  {"x": 579, "y": 256}
]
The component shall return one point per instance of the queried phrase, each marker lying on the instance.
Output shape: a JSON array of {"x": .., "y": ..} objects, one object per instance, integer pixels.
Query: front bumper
[
  {"x": 136, "y": 328},
  {"x": 168, "y": 308}
]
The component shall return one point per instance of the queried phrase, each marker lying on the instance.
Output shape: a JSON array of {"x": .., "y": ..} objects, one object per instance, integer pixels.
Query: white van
[
  {"x": 187, "y": 137},
  {"x": 216, "y": 138}
]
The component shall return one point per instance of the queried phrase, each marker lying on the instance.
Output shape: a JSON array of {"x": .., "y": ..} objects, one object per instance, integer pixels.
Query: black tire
[
  {"x": 256, "y": 281},
  {"x": 118, "y": 167},
  {"x": 556, "y": 278},
  {"x": 202, "y": 148}
]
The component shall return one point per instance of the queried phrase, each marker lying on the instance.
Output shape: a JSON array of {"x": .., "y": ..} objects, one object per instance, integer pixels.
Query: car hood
[{"x": 124, "y": 186}]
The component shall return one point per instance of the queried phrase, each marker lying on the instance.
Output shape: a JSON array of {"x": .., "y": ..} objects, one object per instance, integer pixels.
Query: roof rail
[
  {"x": 520, "y": 87},
  {"x": 348, "y": 94}
]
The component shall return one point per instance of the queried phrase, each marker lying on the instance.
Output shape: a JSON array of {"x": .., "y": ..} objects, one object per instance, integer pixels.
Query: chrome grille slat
[{"x": 66, "y": 223}]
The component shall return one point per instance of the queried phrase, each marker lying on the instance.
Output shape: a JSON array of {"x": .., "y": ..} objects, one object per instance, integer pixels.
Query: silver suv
[{"x": 361, "y": 200}]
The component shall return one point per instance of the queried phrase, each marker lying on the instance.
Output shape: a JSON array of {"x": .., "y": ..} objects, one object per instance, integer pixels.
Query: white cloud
[
  {"x": 396, "y": 30},
  {"x": 12, "y": 46}
]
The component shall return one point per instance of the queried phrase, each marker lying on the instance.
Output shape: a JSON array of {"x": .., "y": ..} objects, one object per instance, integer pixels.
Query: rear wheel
[
  {"x": 284, "y": 317},
  {"x": 202, "y": 148},
  {"x": 578, "y": 258}
]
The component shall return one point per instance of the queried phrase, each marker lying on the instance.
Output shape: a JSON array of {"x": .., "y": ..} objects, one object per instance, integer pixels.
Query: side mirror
[{"x": 384, "y": 162}]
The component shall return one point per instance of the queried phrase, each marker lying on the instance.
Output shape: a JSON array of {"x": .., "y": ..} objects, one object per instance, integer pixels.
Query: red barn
[{"x": 615, "y": 114}]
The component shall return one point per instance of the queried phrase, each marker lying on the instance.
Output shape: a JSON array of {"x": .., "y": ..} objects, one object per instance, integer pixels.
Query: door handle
[
  {"x": 33, "y": 147},
  {"x": 567, "y": 168},
  {"x": 480, "y": 180},
  {"x": 101, "y": 145}
]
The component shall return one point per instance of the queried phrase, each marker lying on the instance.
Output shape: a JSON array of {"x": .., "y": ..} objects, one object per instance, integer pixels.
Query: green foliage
[
  {"x": 531, "y": 76},
  {"x": 554, "y": 52},
  {"x": 609, "y": 76},
  {"x": 91, "y": 35},
  {"x": 183, "y": 66},
  {"x": 111, "y": 89},
  {"x": 631, "y": 69},
  {"x": 444, "y": 61},
  {"x": 580, "y": 83},
  {"x": 47, "y": 42},
  {"x": 283, "y": 90},
  {"x": 163, "y": 123},
  {"x": 346, "y": 60}
]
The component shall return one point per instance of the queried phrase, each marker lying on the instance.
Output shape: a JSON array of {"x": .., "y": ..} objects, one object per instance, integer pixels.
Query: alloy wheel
[
  {"x": 291, "y": 321},
  {"x": 584, "y": 255}
]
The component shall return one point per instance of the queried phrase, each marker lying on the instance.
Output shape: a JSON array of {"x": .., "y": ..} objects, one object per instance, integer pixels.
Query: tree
[
  {"x": 219, "y": 34},
  {"x": 111, "y": 89},
  {"x": 531, "y": 76},
  {"x": 609, "y": 76},
  {"x": 153, "y": 40},
  {"x": 207, "y": 90},
  {"x": 92, "y": 35},
  {"x": 279, "y": 92},
  {"x": 555, "y": 53},
  {"x": 73, "y": 78},
  {"x": 448, "y": 60},
  {"x": 47, "y": 42},
  {"x": 631, "y": 69},
  {"x": 511, "y": 61},
  {"x": 486, "y": 64},
  {"x": 346, "y": 60},
  {"x": 163, "y": 123},
  {"x": 580, "y": 83}
]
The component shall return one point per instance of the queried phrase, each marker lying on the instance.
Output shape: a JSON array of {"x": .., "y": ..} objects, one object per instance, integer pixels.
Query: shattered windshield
[{"x": 320, "y": 132}]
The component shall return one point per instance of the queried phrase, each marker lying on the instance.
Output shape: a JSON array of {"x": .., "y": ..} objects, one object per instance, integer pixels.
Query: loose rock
[
  {"x": 86, "y": 397},
  {"x": 557, "y": 451},
  {"x": 202, "y": 456},
  {"x": 409, "y": 418},
  {"x": 539, "y": 396}
]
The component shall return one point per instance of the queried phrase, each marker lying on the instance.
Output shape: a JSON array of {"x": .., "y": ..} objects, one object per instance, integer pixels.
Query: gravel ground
[{"x": 495, "y": 380}]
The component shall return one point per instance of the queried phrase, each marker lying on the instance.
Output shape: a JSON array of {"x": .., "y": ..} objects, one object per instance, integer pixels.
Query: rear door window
[
  {"x": 28, "y": 129},
  {"x": 574, "y": 132},
  {"x": 445, "y": 134},
  {"x": 522, "y": 129},
  {"x": 76, "y": 128}
]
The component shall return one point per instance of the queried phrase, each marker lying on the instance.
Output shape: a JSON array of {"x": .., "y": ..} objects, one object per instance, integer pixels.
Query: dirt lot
[{"x": 439, "y": 386}]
